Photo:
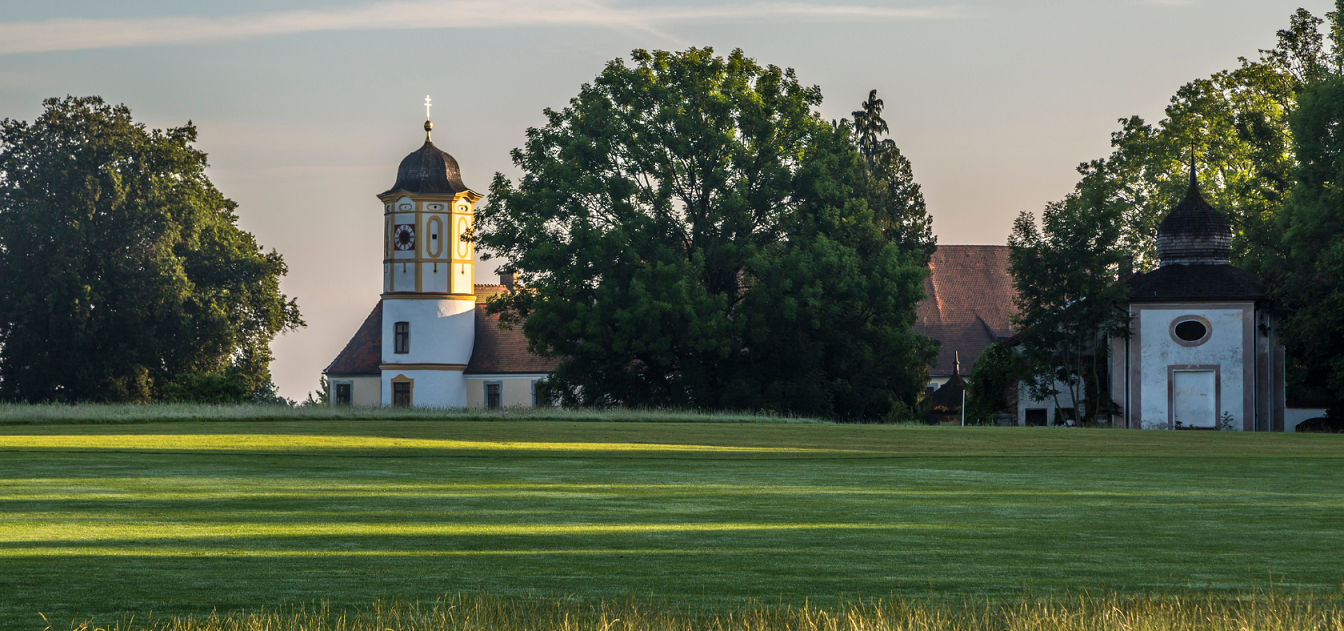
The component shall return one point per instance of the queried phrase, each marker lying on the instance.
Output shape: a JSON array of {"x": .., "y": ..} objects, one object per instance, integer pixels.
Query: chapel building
[{"x": 1202, "y": 351}]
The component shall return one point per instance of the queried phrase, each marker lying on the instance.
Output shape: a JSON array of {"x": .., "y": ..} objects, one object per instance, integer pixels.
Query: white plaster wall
[
  {"x": 403, "y": 276},
  {"x": 442, "y": 331},
  {"x": 1293, "y": 416},
  {"x": 1158, "y": 351},
  {"x": 431, "y": 388},
  {"x": 462, "y": 278},
  {"x": 435, "y": 277}
]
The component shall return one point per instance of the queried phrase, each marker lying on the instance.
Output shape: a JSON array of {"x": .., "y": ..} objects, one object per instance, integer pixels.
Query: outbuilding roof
[{"x": 968, "y": 304}]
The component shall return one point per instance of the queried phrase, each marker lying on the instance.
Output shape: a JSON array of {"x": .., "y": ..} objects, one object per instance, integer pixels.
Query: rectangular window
[
  {"x": 401, "y": 338},
  {"x": 343, "y": 394},
  {"x": 494, "y": 396},
  {"x": 536, "y": 402},
  {"x": 401, "y": 394}
]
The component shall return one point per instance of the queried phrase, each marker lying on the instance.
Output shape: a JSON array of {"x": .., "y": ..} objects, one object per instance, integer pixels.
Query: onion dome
[
  {"x": 428, "y": 170},
  {"x": 1194, "y": 233}
]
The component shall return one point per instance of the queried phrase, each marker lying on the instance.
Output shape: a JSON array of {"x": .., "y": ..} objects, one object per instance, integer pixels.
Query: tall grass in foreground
[
  {"x": 1269, "y": 611},
  {"x": 115, "y": 413}
]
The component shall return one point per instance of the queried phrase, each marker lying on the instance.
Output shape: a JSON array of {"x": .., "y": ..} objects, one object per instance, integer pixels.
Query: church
[
  {"x": 1201, "y": 354},
  {"x": 429, "y": 341}
]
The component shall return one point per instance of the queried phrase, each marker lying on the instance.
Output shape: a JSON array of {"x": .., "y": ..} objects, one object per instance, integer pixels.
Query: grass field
[{"x": 189, "y": 517}]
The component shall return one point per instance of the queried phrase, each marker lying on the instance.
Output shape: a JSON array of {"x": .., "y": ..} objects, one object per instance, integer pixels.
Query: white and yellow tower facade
[{"x": 428, "y": 299}]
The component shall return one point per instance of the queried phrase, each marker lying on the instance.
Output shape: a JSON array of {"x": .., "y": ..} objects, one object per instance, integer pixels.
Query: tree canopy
[
  {"x": 688, "y": 231},
  {"x": 1310, "y": 284},
  {"x": 122, "y": 268}
]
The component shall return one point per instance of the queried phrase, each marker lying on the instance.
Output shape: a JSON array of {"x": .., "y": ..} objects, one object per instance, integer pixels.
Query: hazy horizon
[{"x": 306, "y": 107}]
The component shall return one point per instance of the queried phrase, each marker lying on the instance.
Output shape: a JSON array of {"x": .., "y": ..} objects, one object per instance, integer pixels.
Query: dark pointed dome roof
[
  {"x": 1194, "y": 233},
  {"x": 428, "y": 170}
]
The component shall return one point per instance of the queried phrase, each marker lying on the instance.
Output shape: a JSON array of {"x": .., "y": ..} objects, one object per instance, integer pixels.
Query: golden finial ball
[{"x": 428, "y": 125}]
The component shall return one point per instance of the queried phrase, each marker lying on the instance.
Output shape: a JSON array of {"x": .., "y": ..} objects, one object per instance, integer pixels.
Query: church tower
[{"x": 428, "y": 299}]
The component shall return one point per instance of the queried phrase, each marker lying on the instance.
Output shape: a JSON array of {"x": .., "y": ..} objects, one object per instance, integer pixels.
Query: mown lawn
[{"x": 185, "y": 517}]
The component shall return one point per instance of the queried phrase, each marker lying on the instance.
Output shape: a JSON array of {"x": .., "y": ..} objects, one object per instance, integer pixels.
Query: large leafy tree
[
  {"x": 122, "y": 269},
  {"x": 689, "y": 232}
]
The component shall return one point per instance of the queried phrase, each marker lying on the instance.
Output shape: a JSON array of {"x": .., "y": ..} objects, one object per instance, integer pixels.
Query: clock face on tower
[{"x": 403, "y": 236}]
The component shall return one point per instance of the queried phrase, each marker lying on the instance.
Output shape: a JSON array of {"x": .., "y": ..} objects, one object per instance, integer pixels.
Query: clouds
[{"x": 85, "y": 34}]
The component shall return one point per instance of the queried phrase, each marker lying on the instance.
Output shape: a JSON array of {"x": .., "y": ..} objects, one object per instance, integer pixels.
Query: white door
[{"x": 1194, "y": 399}]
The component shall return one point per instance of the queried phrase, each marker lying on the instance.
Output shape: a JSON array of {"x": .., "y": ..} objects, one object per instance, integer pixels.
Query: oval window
[{"x": 1191, "y": 330}]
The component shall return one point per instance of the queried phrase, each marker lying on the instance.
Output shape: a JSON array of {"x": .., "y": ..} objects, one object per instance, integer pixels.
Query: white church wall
[
  {"x": 1223, "y": 351},
  {"x": 435, "y": 277},
  {"x": 429, "y": 388},
  {"x": 403, "y": 276},
  {"x": 442, "y": 331}
]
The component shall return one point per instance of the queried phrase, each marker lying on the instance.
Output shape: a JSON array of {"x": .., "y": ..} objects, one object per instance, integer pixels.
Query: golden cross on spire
[{"x": 428, "y": 125}]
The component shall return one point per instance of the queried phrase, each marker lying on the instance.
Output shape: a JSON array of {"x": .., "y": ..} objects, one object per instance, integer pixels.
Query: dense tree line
[
  {"x": 123, "y": 273},
  {"x": 688, "y": 231},
  {"x": 1269, "y": 154}
]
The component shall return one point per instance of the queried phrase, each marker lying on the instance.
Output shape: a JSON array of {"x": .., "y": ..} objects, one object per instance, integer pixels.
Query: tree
[
  {"x": 1310, "y": 289},
  {"x": 888, "y": 184},
  {"x": 997, "y": 370},
  {"x": 1069, "y": 274},
  {"x": 689, "y": 232},
  {"x": 122, "y": 269}
]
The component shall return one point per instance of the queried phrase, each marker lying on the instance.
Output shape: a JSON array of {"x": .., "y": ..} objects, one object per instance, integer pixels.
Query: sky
[{"x": 305, "y": 107}]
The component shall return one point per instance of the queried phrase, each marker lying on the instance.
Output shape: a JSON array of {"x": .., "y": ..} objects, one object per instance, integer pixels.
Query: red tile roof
[
  {"x": 501, "y": 351},
  {"x": 969, "y": 303},
  {"x": 364, "y": 352}
]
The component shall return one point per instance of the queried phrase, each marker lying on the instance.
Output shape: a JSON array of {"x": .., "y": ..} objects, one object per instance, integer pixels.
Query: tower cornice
[{"x": 391, "y": 196}]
